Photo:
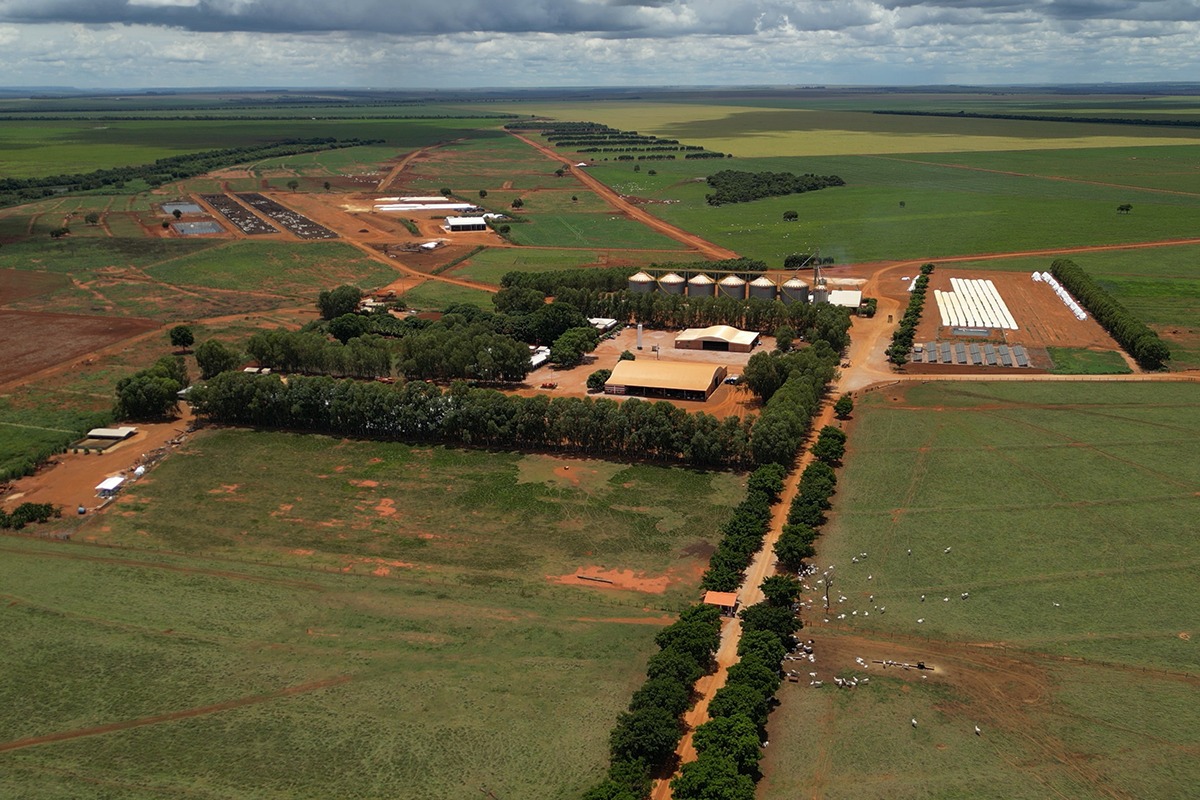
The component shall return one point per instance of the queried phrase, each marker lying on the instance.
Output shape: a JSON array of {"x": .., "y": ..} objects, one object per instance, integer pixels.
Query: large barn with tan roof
[
  {"x": 717, "y": 337},
  {"x": 679, "y": 380}
]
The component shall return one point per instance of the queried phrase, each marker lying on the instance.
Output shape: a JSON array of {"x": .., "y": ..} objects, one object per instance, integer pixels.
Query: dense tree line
[
  {"x": 1169, "y": 123},
  {"x": 813, "y": 322},
  {"x": 645, "y": 737},
  {"x": 152, "y": 393},
  {"x": 806, "y": 515},
  {"x": 709, "y": 155},
  {"x": 785, "y": 420},
  {"x": 742, "y": 534},
  {"x": 734, "y": 186},
  {"x": 416, "y": 411},
  {"x": 367, "y": 356},
  {"x": 1131, "y": 333},
  {"x": 27, "y": 514},
  {"x": 21, "y": 190},
  {"x": 902, "y": 338},
  {"x": 806, "y": 260}
]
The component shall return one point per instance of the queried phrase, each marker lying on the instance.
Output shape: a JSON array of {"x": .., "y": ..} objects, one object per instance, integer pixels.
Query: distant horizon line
[{"x": 109, "y": 90}]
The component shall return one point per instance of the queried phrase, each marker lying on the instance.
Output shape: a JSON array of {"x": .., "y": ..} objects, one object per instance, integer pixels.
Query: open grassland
[
  {"x": 399, "y": 593},
  {"x": 1077, "y": 361},
  {"x": 492, "y": 162},
  {"x": 900, "y": 208},
  {"x": 1068, "y": 513},
  {"x": 290, "y": 269},
  {"x": 759, "y": 132},
  {"x": 1159, "y": 285},
  {"x": 436, "y": 295},
  {"x": 590, "y": 230},
  {"x": 38, "y": 148}
]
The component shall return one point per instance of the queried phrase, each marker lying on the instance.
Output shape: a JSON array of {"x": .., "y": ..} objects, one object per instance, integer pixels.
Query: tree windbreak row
[
  {"x": 163, "y": 170},
  {"x": 1131, "y": 333},
  {"x": 734, "y": 186},
  {"x": 422, "y": 412}
]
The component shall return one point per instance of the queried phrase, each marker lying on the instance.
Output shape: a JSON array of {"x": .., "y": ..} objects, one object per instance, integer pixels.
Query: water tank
[
  {"x": 701, "y": 286},
  {"x": 794, "y": 291},
  {"x": 672, "y": 283},
  {"x": 762, "y": 288},
  {"x": 732, "y": 286},
  {"x": 641, "y": 283}
]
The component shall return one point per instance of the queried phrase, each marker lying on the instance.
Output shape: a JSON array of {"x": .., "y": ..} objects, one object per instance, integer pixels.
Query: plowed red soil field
[{"x": 32, "y": 341}]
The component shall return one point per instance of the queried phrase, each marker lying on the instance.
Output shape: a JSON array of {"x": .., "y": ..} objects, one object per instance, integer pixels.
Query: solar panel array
[{"x": 963, "y": 354}]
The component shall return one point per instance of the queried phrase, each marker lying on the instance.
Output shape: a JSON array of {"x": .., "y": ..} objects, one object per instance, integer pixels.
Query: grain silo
[
  {"x": 672, "y": 283},
  {"x": 701, "y": 286},
  {"x": 732, "y": 286},
  {"x": 820, "y": 294},
  {"x": 794, "y": 291},
  {"x": 762, "y": 288},
  {"x": 641, "y": 283}
]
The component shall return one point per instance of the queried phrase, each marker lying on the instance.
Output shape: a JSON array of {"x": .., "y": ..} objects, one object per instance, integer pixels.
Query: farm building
[
  {"x": 111, "y": 433},
  {"x": 717, "y": 337},
  {"x": 726, "y": 601},
  {"x": 846, "y": 298},
  {"x": 109, "y": 486},
  {"x": 466, "y": 224},
  {"x": 674, "y": 379}
]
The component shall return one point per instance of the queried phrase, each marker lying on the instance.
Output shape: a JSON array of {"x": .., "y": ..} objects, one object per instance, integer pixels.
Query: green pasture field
[
  {"x": 1078, "y": 361},
  {"x": 35, "y": 424},
  {"x": 488, "y": 161},
  {"x": 436, "y": 295},
  {"x": 948, "y": 211},
  {"x": 415, "y": 580},
  {"x": 491, "y": 265},
  {"x": 1159, "y": 285},
  {"x": 73, "y": 256},
  {"x": 37, "y": 148},
  {"x": 590, "y": 230},
  {"x": 329, "y": 163},
  {"x": 285, "y": 268},
  {"x": 763, "y": 132},
  {"x": 1068, "y": 510}
]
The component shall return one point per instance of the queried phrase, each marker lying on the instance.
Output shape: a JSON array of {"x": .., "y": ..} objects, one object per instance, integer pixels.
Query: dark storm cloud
[{"x": 621, "y": 18}]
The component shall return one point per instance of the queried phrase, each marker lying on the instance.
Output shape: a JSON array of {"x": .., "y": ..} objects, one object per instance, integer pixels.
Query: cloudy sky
[{"x": 488, "y": 43}]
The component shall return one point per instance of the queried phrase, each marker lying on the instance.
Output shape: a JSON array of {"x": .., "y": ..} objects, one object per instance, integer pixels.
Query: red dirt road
[{"x": 706, "y": 247}]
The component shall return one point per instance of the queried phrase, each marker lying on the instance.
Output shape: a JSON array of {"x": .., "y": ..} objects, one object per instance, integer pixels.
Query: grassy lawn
[
  {"x": 77, "y": 256},
  {"x": 1067, "y": 511},
  {"x": 1078, "y": 361},
  {"x": 412, "y": 581}
]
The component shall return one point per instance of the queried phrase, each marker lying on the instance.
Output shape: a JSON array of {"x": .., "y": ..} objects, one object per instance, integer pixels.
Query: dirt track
[
  {"x": 200, "y": 711},
  {"x": 706, "y": 247}
]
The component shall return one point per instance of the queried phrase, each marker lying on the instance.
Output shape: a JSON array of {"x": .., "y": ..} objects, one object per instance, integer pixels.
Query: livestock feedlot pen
[{"x": 297, "y": 223}]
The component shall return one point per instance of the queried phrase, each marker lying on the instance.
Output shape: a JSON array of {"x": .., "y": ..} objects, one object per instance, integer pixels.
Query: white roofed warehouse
[
  {"x": 678, "y": 380},
  {"x": 717, "y": 337},
  {"x": 466, "y": 224}
]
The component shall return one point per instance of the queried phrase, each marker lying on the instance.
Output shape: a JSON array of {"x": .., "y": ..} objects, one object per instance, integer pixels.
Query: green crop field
[
  {"x": 758, "y": 132},
  {"x": 400, "y": 593},
  {"x": 947, "y": 210},
  {"x": 1065, "y": 511},
  {"x": 37, "y": 148},
  {"x": 590, "y": 230}
]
